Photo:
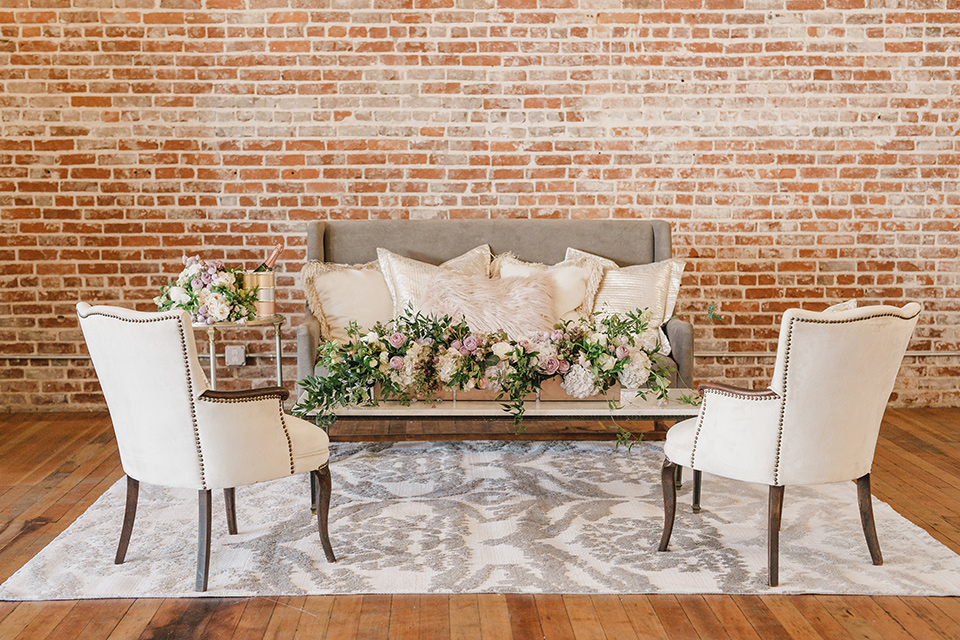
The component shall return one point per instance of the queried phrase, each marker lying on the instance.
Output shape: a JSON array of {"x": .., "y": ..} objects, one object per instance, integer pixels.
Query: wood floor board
[{"x": 53, "y": 466}]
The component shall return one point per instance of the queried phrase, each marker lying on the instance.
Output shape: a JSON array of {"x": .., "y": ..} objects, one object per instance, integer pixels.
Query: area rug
[{"x": 480, "y": 517}]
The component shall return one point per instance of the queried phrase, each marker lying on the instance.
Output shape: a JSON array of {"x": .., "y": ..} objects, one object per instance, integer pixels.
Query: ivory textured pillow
[
  {"x": 517, "y": 305},
  {"x": 654, "y": 286},
  {"x": 846, "y": 305},
  {"x": 575, "y": 281},
  {"x": 405, "y": 277},
  {"x": 341, "y": 293}
]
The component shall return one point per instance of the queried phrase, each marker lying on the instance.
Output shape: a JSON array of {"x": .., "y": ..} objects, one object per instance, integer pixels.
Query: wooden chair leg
[
  {"x": 866, "y": 519},
  {"x": 230, "y": 500},
  {"x": 678, "y": 480},
  {"x": 203, "y": 539},
  {"x": 314, "y": 491},
  {"x": 668, "y": 479},
  {"x": 322, "y": 476},
  {"x": 697, "y": 481},
  {"x": 775, "y": 515},
  {"x": 129, "y": 515}
]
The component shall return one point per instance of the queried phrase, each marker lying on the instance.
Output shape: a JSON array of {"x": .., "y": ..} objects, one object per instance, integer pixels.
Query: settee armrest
[
  {"x": 680, "y": 335},
  {"x": 308, "y": 340}
]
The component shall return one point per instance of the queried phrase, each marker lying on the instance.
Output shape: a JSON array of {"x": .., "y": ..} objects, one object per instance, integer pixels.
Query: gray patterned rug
[{"x": 519, "y": 517}]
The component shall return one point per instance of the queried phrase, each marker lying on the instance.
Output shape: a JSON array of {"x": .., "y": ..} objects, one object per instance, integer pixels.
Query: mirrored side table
[{"x": 211, "y": 329}]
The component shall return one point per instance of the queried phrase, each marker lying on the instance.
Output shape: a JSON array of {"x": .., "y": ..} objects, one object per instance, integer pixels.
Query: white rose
[
  {"x": 223, "y": 279},
  {"x": 607, "y": 362},
  {"x": 178, "y": 295},
  {"x": 501, "y": 349}
]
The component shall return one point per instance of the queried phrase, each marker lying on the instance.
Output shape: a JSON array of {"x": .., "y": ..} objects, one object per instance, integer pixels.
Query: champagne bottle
[{"x": 267, "y": 265}]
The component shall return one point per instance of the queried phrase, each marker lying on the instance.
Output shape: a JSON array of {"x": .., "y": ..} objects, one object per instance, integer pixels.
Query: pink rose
[
  {"x": 622, "y": 352},
  {"x": 563, "y": 367},
  {"x": 396, "y": 362},
  {"x": 551, "y": 365},
  {"x": 470, "y": 343},
  {"x": 396, "y": 340},
  {"x": 464, "y": 351},
  {"x": 456, "y": 344}
]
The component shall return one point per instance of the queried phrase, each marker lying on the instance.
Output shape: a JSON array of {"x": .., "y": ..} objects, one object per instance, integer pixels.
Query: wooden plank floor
[{"x": 53, "y": 466}]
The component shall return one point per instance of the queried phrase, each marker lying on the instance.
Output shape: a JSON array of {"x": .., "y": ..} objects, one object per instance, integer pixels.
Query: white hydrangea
[
  {"x": 447, "y": 364},
  {"x": 637, "y": 370},
  {"x": 223, "y": 279},
  {"x": 649, "y": 339},
  {"x": 580, "y": 382},
  {"x": 404, "y": 377}
]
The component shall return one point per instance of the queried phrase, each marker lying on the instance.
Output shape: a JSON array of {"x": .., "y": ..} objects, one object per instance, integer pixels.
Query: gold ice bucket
[{"x": 266, "y": 304}]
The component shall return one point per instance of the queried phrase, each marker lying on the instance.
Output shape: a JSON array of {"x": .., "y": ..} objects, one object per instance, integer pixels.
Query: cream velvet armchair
[
  {"x": 172, "y": 430},
  {"x": 817, "y": 423}
]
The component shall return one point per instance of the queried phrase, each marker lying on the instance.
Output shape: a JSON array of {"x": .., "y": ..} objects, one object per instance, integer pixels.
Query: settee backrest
[{"x": 434, "y": 241}]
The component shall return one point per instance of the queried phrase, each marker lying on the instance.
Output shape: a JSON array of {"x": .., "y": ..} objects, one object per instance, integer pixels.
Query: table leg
[
  {"x": 212, "y": 335},
  {"x": 276, "y": 327}
]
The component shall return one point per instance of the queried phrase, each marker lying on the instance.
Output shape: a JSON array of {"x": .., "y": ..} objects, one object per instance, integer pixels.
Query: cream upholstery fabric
[
  {"x": 832, "y": 378},
  {"x": 407, "y": 277},
  {"x": 167, "y": 433},
  {"x": 341, "y": 293}
]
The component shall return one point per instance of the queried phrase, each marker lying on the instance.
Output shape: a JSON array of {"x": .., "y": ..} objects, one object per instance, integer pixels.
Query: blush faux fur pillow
[{"x": 518, "y": 305}]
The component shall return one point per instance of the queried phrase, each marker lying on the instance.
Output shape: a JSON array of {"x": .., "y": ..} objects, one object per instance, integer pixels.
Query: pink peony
[
  {"x": 396, "y": 362},
  {"x": 470, "y": 343},
  {"x": 622, "y": 352},
  {"x": 396, "y": 340},
  {"x": 456, "y": 344},
  {"x": 551, "y": 365},
  {"x": 563, "y": 367}
]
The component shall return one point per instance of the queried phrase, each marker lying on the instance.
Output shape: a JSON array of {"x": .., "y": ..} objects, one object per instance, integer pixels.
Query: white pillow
[
  {"x": 654, "y": 286},
  {"x": 405, "y": 277},
  {"x": 519, "y": 306},
  {"x": 575, "y": 281},
  {"x": 341, "y": 293},
  {"x": 846, "y": 305}
]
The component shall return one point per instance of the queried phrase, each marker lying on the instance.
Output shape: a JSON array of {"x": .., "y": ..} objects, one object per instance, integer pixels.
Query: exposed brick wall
[{"x": 805, "y": 150}]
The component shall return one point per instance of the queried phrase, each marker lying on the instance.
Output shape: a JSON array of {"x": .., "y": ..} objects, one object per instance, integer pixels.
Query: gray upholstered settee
[{"x": 624, "y": 241}]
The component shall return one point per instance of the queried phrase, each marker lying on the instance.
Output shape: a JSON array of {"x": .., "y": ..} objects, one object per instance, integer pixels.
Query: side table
[{"x": 211, "y": 329}]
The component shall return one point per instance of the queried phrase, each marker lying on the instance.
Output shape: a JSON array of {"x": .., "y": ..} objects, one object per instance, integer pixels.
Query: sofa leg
[
  {"x": 129, "y": 515},
  {"x": 203, "y": 539},
  {"x": 230, "y": 501},
  {"x": 322, "y": 476},
  {"x": 668, "y": 480},
  {"x": 866, "y": 519},
  {"x": 775, "y": 515}
]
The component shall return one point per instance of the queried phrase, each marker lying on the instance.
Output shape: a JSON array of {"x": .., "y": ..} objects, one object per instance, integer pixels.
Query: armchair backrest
[
  {"x": 834, "y": 373},
  {"x": 150, "y": 376}
]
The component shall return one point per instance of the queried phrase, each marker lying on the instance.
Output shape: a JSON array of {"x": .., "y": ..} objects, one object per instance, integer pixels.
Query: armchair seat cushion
[
  {"x": 679, "y": 444},
  {"x": 311, "y": 446}
]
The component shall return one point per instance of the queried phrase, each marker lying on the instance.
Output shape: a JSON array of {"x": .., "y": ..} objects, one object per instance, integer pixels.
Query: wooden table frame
[{"x": 211, "y": 329}]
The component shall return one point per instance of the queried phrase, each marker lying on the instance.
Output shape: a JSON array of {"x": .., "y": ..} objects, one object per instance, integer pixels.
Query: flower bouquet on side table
[
  {"x": 418, "y": 356},
  {"x": 209, "y": 292}
]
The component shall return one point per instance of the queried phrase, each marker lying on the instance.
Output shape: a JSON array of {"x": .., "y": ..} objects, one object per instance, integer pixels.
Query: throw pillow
[
  {"x": 341, "y": 293},
  {"x": 846, "y": 305},
  {"x": 405, "y": 277},
  {"x": 575, "y": 281},
  {"x": 654, "y": 286},
  {"x": 517, "y": 305}
]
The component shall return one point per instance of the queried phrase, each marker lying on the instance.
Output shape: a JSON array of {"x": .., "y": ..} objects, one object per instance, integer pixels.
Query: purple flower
[
  {"x": 470, "y": 343},
  {"x": 622, "y": 352},
  {"x": 551, "y": 365},
  {"x": 563, "y": 367},
  {"x": 207, "y": 278},
  {"x": 456, "y": 344},
  {"x": 196, "y": 283},
  {"x": 203, "y": 310},
  {"x": 396, "y": 340},
  {"x": 396, "y": 362}
]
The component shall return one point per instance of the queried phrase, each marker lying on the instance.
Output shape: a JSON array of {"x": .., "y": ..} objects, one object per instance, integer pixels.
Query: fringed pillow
[{"x": 341, "y": 293}]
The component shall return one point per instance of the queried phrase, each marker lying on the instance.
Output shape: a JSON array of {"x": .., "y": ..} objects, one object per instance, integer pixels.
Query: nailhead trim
[
  {"x": 186, "y": 363},
  {"x": 283, "y": 423},
  {"x": 786, "y": 369},
  {"x": 237, "y": 400}
]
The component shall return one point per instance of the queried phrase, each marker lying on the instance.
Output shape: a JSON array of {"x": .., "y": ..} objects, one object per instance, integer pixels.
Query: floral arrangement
[
  {"x": 418, "y": 356},
  {"x": 208, "y": 292}
]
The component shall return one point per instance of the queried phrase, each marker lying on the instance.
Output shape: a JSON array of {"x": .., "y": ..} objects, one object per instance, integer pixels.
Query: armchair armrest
[
  {"x": 680, "y": 334},
  {"x": 738, "y": 392},
  {"x": 244, "y": 395}
]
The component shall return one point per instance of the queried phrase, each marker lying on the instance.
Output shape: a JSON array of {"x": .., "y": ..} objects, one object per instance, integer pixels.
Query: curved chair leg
[
  {"x": 129, "y": 515},
  {"x": 203, "y": 539},
  {"x": 314, "y": 491},
  {"x": 775, "y": 515},
  {"x": 322, "y": 478},
  {"x": 866, "y": 519},
  {"x": 678, "y": 482},
  {"x": 697, "y": 481},
  {"x": 230, "y": 500},
  {"x": 668, "y": 479}
]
